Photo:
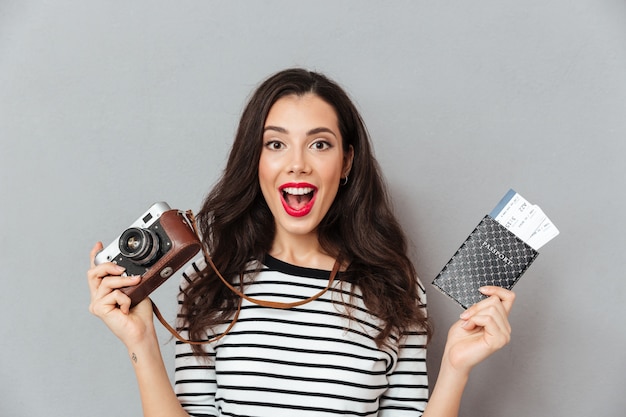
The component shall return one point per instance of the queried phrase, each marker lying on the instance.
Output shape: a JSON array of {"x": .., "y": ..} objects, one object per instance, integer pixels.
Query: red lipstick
[{"x": 297, "y": 198}]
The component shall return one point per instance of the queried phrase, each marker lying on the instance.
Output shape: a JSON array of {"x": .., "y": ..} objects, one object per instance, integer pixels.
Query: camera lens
[{"x": 139, "y": 245}]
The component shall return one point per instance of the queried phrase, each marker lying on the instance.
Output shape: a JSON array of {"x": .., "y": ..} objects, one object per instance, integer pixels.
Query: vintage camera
[{"x": 155, "y": 246}]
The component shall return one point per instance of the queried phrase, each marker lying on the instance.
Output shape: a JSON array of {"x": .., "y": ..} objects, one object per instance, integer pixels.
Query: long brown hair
[{"x": 359, "y": 228}]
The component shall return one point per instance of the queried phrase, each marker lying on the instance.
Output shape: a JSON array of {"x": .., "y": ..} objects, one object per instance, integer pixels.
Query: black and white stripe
[{"x": 310, "y": 360}]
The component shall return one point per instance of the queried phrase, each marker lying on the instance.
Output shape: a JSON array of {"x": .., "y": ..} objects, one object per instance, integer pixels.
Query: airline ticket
[{"x": 527, "y": 221}]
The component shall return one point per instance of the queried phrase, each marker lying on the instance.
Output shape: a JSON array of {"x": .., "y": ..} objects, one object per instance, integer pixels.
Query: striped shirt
[{"x": 305, "y": 361}]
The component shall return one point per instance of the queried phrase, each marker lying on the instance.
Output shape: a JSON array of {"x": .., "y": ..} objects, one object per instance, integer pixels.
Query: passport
[{"x": 497, "y": 252}]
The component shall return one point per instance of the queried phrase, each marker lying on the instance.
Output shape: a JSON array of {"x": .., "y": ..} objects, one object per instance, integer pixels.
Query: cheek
[
  {"x": 334, "y": 172},
  {"x": 331, "y": 181},
  {"x": 266, "y": 179},
  {"x": 269, "y": 162},
  {"x": 264, "y": 170}
]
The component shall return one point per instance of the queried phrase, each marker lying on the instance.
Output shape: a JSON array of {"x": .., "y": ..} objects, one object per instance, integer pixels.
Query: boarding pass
[{"x": 525, "y": 220}]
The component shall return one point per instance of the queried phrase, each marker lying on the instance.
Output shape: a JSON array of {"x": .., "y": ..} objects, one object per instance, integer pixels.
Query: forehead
[{"x": 307, "y": 110}]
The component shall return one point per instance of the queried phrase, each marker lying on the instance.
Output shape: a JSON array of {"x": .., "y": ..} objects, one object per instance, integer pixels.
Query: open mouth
[{"x": 298, "y": 200}]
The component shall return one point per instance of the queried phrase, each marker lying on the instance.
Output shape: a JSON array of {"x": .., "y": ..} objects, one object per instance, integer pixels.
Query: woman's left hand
[{"x": 483, "y": 329}]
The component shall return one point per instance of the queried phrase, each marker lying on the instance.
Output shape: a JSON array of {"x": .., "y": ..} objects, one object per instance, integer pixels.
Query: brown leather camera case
[{"x": 185, "y": 245}]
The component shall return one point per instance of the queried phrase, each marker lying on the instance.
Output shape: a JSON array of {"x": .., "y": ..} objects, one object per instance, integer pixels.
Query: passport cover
[{"x": 491, "y": 255}]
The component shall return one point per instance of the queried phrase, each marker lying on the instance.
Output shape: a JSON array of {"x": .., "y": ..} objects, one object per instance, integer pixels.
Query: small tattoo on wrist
[{"x": 133, "y": 357}]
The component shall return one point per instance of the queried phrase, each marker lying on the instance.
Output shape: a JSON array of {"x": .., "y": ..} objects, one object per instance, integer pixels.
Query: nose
[{"x": 299, "y": 162}]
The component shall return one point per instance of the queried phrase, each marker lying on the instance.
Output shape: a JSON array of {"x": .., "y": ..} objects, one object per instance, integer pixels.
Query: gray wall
[{"x": 108, "y": 106}]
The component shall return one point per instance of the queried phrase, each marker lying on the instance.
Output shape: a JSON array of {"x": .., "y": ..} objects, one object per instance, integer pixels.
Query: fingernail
[
  {"x": 464, "y": 315},
  {"x": 120, "y": 268},
  {"x": 484, "y": 290}
]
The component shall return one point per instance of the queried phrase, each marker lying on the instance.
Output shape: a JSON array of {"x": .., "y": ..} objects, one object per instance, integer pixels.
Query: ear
[{"x": 347, "y": 162}]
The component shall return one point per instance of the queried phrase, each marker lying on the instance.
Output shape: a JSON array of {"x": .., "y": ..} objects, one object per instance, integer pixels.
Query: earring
[{"x": 344, "y": 181}]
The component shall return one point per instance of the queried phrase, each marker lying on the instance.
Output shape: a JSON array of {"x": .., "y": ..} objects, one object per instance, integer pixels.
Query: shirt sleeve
[
  {"x": 407, "y": 394},
  {"x": 194, "y": 377}
]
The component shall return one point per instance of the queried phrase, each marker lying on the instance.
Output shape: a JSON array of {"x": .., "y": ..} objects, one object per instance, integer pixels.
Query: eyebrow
[{"x": 314, "y": 131}]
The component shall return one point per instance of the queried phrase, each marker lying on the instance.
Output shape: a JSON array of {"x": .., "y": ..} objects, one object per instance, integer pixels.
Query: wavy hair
[{"x": 359, "y": 228}]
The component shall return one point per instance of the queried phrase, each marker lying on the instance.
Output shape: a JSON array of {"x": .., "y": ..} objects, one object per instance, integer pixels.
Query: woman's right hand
[{"x": 113, "y": 306}]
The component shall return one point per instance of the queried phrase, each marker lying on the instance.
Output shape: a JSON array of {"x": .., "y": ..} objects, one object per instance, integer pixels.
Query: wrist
[
  {"x": 147, "y": 352},
  {"x": 445, "y": 399},
  {"x": 146, "y": 341},
  {"x": 452, "y": 372}
]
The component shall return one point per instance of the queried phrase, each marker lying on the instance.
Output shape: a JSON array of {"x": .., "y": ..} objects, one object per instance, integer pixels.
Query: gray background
[{"x": 108, "y": 106}]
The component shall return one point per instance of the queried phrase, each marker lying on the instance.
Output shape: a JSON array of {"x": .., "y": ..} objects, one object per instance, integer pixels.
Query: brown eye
[
  {"x": 321, "y": 145},
  {"x": 274, "y": 145}
]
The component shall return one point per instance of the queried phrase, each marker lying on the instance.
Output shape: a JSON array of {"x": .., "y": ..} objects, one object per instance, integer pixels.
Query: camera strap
[
  {"x": 264, "y": 303},
  {"x": 177, "y": 335}
]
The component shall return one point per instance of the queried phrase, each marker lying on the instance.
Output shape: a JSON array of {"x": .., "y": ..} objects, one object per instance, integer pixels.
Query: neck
[{"x": 302, "y": 250}]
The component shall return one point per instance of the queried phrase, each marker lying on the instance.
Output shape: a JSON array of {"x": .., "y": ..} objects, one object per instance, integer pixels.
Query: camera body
[{"x": 154, "y": 246}]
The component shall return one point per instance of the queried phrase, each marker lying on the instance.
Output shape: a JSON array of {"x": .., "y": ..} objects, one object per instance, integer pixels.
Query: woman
[{"x": 301, "y": 195}]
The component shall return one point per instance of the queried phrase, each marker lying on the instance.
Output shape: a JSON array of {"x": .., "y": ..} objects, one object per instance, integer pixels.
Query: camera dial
[{"x": 139, "y": 245}]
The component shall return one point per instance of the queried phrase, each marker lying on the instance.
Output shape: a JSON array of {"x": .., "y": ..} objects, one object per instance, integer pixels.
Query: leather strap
[
  {"x": 263, "y": 303},
  {"x": 275, "y": 304},
  {"x": 271, "y": 304},
  {"x": 174, "y": 333}
]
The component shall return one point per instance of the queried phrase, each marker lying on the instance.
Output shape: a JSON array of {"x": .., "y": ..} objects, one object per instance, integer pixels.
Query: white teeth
[{"x": 298, "y": 190}]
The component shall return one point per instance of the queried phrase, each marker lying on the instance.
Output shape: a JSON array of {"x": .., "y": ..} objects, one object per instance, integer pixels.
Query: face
[{"x": 302, "y": 163}]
